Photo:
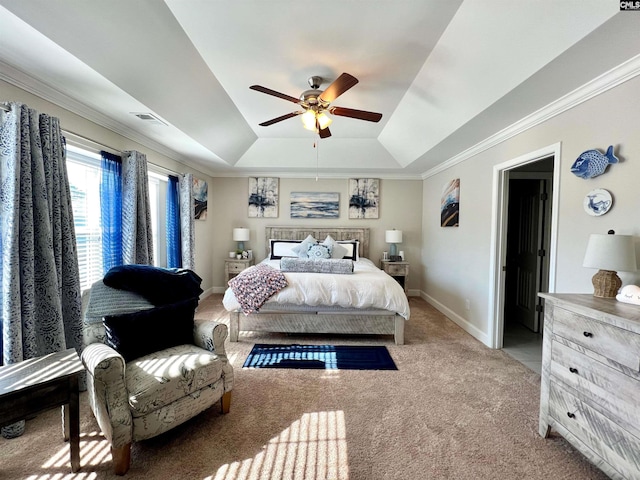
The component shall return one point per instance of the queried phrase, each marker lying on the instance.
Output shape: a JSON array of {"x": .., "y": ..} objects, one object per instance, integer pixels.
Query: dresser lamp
[
  {"x": 609, "y": 253},
  {"x": 241, "y": 235},
  {"x": 392, "y": 237}
]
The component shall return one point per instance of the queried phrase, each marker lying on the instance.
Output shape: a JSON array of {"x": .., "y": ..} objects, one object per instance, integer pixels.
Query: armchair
[{"x": 138, "y": 397}]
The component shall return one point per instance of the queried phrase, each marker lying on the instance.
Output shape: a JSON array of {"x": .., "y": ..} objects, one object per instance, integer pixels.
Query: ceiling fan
[{"x": 317, "y": 103}]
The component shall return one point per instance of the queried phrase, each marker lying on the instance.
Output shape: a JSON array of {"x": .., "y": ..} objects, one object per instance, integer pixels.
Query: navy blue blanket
[{"x": 161, "y": 286}]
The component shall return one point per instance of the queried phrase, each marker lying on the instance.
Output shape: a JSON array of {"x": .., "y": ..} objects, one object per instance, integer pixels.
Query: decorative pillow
[
  {"x": 283, "y": 248},
  {"x": 352, "y": 248},
  {"x": 301, "y": 249},
  {"x": 134, "y": 335},
  {"x": 161, "y": 286},
  {"x": 337, "y": 250},
  {"x": 318, "y": 251},
  {"x": 104, "y": 300}
]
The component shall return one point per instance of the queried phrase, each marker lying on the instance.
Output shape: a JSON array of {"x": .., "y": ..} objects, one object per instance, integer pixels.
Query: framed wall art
[
  {"x": 364, "y": 197},
  {"x": 200, "y": 198},
  {"x": 450, "y": 204},
  {"x": 263, "y": 197},
  {"x": 315, "y": 205}
]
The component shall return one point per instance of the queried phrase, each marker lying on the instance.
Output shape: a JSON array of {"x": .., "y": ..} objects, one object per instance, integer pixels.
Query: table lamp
[
  {"x": 241, "y": 235},
  {"x": 609, "y": 253},
  {"x": 392, "y": 237}
]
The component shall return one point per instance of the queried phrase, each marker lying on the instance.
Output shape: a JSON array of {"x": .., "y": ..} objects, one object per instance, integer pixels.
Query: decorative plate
[{"x": 597, "y": 202}]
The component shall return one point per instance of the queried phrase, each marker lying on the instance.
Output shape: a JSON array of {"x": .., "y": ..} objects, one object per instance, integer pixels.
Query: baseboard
[
  {"x": 207, "y": 292},
  {"x": 457, "y": 319}
]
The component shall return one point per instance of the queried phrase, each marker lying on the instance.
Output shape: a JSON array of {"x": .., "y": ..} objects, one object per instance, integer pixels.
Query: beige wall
[
  {"x": 400, "y": 208},
  {"x": 457, "y": 260},
  {"x": 81, "y": 126}
]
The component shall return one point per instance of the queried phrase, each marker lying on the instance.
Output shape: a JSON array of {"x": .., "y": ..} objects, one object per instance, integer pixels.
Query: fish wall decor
[{"x": 593, "y": 163}]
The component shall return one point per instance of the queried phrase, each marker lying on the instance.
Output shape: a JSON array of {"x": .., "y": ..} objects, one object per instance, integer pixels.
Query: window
[{"x": 83, "y": 170}]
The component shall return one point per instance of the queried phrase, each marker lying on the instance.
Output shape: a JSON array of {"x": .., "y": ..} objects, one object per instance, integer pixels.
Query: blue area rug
[{"x": 326, "y": 357}]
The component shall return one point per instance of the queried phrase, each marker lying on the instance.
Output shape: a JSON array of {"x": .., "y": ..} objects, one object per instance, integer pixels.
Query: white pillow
[
  {"x": 353, "y": 247},
  {"x": 337, "y": 250},
  {"x": 318, "y": 251},
  {"x": 283, "y": 248},
  {"x": 301, "y": 249}
]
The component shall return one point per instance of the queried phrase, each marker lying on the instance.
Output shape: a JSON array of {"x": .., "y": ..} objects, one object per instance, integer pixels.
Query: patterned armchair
[{"x": 135, "y": 397}]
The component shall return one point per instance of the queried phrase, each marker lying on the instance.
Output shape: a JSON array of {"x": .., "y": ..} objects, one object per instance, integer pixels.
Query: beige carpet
[{"x": 454, "y": 410}]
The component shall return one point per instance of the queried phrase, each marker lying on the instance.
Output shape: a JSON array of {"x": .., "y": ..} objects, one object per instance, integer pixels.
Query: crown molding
[{"x": 608, "y": 80}]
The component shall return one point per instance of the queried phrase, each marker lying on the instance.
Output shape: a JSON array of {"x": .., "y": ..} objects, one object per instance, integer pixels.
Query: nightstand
[
  {"x": 398, "y": 270},
  {"x": 233, "y": 267}
]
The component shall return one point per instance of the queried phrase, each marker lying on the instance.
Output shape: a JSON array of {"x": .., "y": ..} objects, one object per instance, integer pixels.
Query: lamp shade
[
  {"x": 611, "y": 252},
  {"x": 393, "y": 236},
  {"x": 241, "y": 234}
]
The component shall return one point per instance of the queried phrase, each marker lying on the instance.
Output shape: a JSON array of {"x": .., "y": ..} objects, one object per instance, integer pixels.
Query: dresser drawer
[
  {"x": 608, "y": 440},
  {"x": 595, "y": 382},
  {"x": 236, "y": 267},
  {"x": 619, "y": 345},
  {"x": 398, "y": 270}
]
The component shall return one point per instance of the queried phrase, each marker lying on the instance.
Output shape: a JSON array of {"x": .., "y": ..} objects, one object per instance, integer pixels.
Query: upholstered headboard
[{"x": 338, "y": 233}]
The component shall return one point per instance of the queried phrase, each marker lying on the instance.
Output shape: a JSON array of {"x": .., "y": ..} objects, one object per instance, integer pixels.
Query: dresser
[{"x": 590, "y": 390}]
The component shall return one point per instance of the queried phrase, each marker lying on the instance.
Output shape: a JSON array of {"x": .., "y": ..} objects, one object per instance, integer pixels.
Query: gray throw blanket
[{"x": 301, "y": 265}]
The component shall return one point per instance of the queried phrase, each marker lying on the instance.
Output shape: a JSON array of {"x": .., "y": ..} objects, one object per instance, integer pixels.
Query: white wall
[
  {"x": 456, "y": 260},
  {"x": 400, "y": 208},
  {"x": 81, "y": 126}
]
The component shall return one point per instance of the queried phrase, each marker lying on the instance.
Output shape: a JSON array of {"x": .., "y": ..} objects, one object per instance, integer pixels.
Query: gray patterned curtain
[
  {"x": 39, "y": 280},
  {"x": 137, "y": 242},
  {"x": 187, "y": 222}
]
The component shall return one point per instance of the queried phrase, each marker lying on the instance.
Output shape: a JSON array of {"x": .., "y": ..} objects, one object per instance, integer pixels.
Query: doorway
[
  {"x": 526, "y": 265},
  {"x": 524, "y": 233}
]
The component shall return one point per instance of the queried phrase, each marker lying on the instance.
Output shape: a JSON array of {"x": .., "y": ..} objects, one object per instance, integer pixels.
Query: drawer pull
[
  {"x": 573, "y": 370},
  {"x": 587, "y": 334},
  {"x": 571, "y": 415}
]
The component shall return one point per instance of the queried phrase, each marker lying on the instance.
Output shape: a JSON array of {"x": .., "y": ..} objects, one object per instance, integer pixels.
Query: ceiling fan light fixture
[
  {"x": 309, "y": 120},
  {"x": 323, "y": 120}
]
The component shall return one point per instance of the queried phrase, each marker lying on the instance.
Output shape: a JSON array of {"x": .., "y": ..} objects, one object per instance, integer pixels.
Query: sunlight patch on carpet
[
  {"x": 311, "y": 448},
  {"x": 94, "y": 450}
]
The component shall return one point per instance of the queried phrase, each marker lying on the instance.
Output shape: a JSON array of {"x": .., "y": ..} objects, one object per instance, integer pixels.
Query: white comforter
[{"x": 367, "y": 288}]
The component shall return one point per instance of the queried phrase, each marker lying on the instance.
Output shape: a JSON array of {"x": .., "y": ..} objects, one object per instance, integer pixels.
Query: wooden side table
[
  {"x": 398, "y": 270},
  {"x": 37, "y": 384},
  {"x": 233, "y": 266}
]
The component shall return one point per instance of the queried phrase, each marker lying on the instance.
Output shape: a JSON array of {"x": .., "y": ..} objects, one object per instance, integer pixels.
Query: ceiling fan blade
[
  {"x": 359, "y": 114},
  {"x": 279, "y": 119},
  {"x": 343, "y": 83},
  {"x": 268, "y": 91}
]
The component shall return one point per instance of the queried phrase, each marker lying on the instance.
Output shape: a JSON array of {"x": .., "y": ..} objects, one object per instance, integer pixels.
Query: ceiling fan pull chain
[{"x": 317, "y": 147}]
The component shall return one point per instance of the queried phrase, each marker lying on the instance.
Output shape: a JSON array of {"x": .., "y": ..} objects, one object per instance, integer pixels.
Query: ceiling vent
[{"x": 149, "y": 118}]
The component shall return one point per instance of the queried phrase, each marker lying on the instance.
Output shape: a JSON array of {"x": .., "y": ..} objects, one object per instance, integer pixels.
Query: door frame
[{"x": 498, "y": 248}]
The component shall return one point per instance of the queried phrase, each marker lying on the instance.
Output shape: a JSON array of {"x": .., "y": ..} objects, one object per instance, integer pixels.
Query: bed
[{"x": 331, "y": 315}]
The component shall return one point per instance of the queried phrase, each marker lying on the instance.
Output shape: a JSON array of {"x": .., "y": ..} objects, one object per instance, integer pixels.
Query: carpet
[{"x": 326, "y": 357}]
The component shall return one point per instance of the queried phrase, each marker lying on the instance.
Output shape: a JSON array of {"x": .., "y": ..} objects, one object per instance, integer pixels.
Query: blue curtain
[
  {"x": 40, "y": 303},
  {"x": 174, "y": 242},
  {"x": 111, "y": 210}
]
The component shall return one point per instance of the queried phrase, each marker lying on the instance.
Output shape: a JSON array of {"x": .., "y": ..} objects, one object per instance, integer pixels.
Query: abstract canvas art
[
  {"x": 263, "y": 197},
  {"x": 315, "y": 205},
  {"x": 450, "y": 204},
  {"x": 364, "y": 197},
  {"x": 200, "y": 198}
]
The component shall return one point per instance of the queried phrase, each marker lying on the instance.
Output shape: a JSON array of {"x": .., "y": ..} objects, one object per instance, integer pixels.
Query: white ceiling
[{"x": 445, "y": 74}]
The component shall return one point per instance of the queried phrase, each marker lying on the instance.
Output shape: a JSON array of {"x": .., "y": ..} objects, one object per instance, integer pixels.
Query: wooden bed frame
[{"x": 319, "y": 322}]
